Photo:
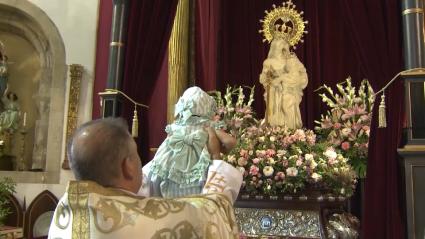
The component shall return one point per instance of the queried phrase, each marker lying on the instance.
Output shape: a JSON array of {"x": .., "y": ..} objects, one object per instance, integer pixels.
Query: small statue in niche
[
  {"x": 10, "y": 117},
  {"x": 4, "y": 72}
]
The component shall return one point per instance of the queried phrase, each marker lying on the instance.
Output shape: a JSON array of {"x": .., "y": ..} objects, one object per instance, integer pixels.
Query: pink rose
[
  {"x": 243, "y": 152},
  {"x": 253, "y": 170},
  {"x": 280, "y": 175},
  {"x": 299, "y": 162},
  {"x": 255, "y": 160},
  {"x": 270, "y": 152},
  {"x": 345, "y": 145}
]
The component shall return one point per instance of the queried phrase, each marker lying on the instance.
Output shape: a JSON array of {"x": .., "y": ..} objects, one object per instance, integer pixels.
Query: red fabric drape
[
  {"x": 102, "y": 54},
  {"x": 207, "y": 16},
  {"x": 375, "y": 27},
  {"x": 149, "y": 29}
]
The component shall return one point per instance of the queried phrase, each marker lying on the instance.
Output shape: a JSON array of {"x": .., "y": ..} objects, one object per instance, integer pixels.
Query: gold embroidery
[
  {"x": 212, "y": 231},
  {"x": 112, "y": 214},
  {"x": 159, "y": 208},
  {"x": 78, "y": 201},
  {"x": 183, "y": 230},
  {"x": 62, "y": 213},
  {"x": 215, "y": 183}
]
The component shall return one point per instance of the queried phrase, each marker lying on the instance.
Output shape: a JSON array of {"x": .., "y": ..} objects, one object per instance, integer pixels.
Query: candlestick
[{"x": 25, "y": 119}]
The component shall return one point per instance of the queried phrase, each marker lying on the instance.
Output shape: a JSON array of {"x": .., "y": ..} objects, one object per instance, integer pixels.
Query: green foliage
[{"x": 7, "y": 187}]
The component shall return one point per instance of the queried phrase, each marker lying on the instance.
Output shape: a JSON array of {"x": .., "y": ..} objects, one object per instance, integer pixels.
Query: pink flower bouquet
[{"x": 347, "y": 124}]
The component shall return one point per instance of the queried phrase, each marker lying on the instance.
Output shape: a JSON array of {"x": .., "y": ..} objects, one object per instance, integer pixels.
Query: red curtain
[
  {"x": 149, "y": 29},
  {"x": 376, "y": 31},
  {"x": 102, "y": 54},
  {"x": 207, "y": 15}
]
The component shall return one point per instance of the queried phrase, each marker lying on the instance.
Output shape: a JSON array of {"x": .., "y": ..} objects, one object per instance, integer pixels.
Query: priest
[{"x": 104, "y": 201}]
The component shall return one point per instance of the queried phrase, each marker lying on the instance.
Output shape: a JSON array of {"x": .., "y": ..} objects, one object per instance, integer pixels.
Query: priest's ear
[{"x": 128, "y": 168}]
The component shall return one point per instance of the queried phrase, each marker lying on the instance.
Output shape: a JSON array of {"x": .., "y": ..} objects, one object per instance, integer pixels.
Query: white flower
[
  {"x": 291, "y": 172},
  {"x": 261, "y": 139},
  {"x": 271, "y": 161},
  {"x": 272, "y": 138},
  {"x": 280, "y": 153},
  {"x": 1, "y": 142},
  {"x": 330, "y": 154},
  {"x": 242, "y": 161},
  {"x": 308, "y": 157},
  {"x": 268, "y": 171},
  {"x": 316, "y": 177}
]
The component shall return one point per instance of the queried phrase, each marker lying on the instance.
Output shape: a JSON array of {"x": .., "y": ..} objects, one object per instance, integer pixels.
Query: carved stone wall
[{"x": 27, "y": 21}]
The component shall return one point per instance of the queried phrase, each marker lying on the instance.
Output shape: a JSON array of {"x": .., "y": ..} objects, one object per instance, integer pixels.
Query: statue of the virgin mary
[{"x": 283, "y": 76}]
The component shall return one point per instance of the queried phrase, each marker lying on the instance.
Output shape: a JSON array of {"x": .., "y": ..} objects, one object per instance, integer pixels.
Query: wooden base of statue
[{"x": 310, "y": 215}]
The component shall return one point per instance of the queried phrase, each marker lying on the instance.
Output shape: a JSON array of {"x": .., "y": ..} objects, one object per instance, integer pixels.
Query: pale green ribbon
[{"x": 185, "y": 166}]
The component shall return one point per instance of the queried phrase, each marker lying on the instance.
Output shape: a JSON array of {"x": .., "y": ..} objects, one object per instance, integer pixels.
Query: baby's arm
[
  {"x": 227, "y": 141},
  {"x": 213, "y": 144}
]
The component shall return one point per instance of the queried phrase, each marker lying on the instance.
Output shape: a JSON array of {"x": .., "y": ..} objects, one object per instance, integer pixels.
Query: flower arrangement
[
  {"x": 347, "y": 124},
  {"x": 234, "y": 111},
  {"x": 277, "y": 160}
]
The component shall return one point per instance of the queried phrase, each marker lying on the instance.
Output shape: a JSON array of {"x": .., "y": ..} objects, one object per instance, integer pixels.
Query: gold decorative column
[
  {"x": 76, "y": 74},
  {"x": 178, "y": 57}
]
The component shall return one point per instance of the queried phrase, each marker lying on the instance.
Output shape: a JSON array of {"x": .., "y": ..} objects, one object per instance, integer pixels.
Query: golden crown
[{"x": 285, "y": 22}]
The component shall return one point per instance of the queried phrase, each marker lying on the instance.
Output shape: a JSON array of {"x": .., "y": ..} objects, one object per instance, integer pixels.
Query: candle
[{"x": 25, "y": 119}]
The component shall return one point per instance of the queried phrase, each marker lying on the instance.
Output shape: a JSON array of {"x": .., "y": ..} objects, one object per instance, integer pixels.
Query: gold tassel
[
  {"x": 135, "y": 125},
  {"x": 382, "y": 123}
]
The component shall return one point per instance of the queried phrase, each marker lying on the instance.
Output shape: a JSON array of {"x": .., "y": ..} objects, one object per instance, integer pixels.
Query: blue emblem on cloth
[{"x": 266, "y": 222}]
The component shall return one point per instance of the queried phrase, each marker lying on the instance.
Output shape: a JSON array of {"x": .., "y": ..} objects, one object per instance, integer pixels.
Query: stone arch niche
[{"x": 25, "y": 21}]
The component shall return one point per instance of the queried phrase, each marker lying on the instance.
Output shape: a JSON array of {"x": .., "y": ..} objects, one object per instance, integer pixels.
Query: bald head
[{"x": 97, "y": 150}]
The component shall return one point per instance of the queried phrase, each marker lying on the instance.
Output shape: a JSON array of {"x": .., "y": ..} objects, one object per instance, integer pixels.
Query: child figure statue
[{"x": 11, "y": 116}]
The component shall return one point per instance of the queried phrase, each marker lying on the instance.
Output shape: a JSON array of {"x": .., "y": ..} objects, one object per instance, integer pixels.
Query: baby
[{"x": 181, "y": 163}]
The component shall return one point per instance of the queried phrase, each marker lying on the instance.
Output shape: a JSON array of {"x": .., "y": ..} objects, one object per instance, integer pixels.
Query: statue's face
[{"x": 279, "y": 48}]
